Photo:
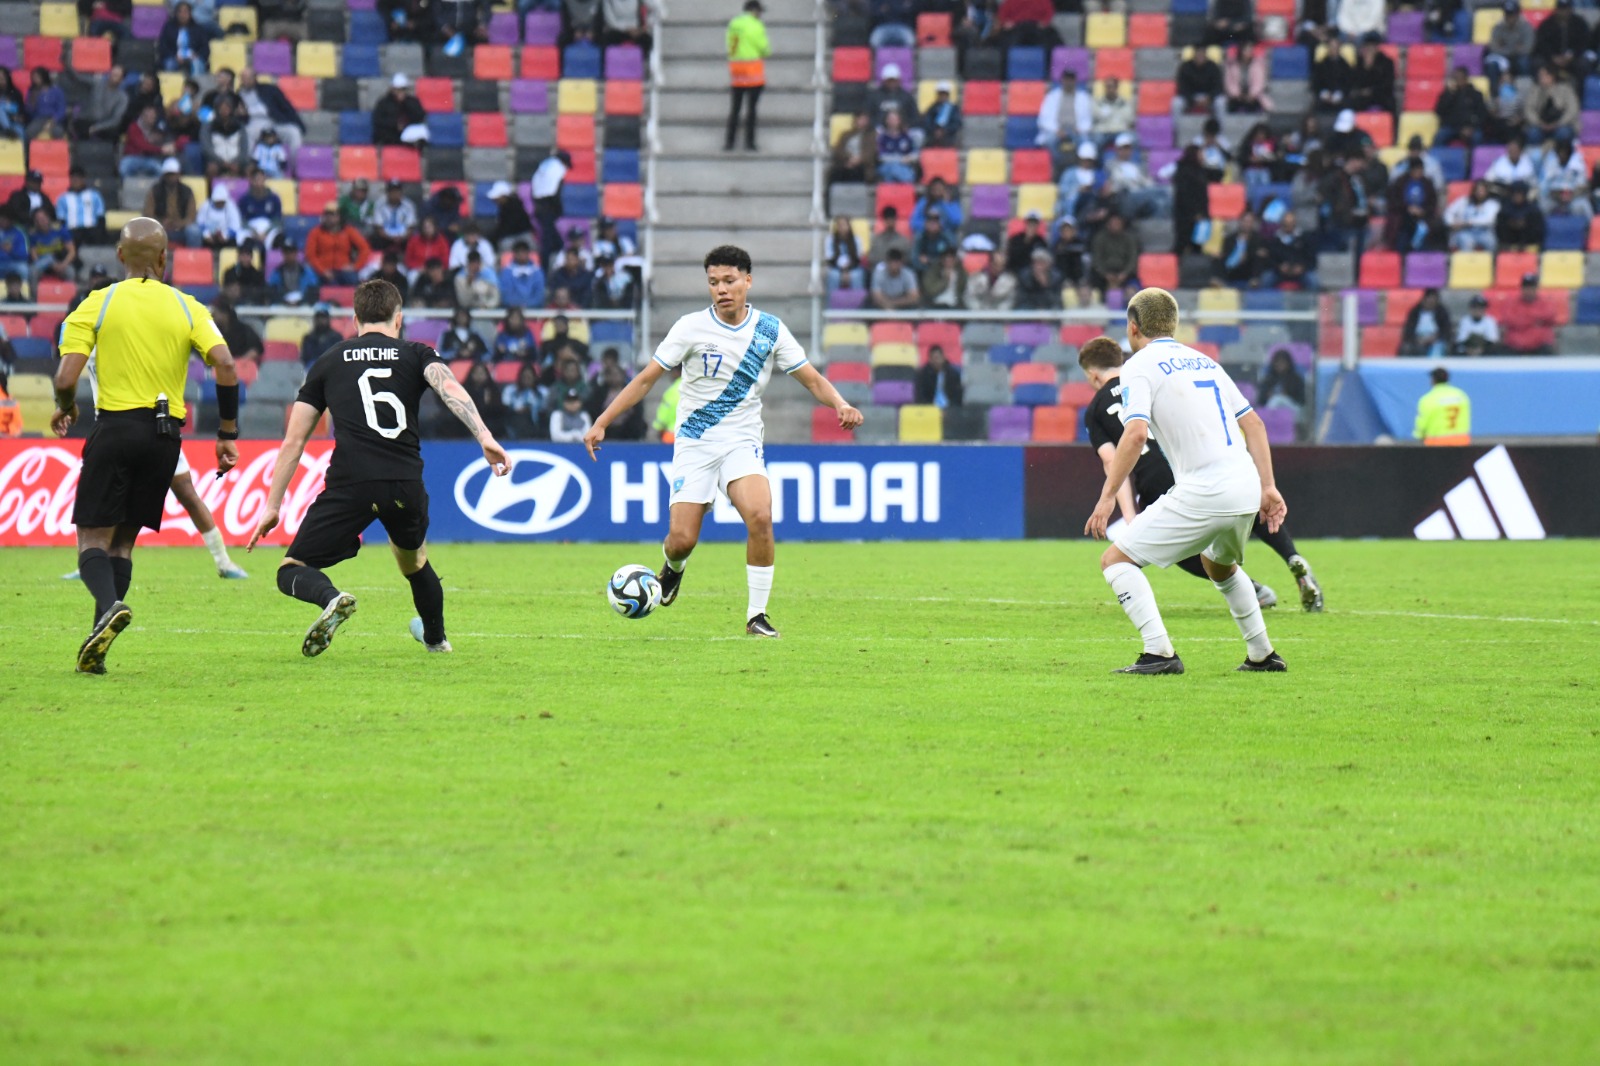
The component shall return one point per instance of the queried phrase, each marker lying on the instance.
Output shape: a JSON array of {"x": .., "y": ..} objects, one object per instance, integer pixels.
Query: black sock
[
  {"x": 307, "y": 583},
  {"x": 122, "y": 571},
  {"x": 1279, "y": 542},
  {"x": 1192, "y": 565},
  {"x": 94, "y": 569},
  {"x": 428, "y": 595}
]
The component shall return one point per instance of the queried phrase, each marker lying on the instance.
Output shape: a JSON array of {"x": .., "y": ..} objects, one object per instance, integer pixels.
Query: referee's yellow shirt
[{"x": 144, "y": 331}]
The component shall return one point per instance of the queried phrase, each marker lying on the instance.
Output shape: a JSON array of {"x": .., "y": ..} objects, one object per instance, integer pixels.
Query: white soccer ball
[{"x": 634, "y": 591}]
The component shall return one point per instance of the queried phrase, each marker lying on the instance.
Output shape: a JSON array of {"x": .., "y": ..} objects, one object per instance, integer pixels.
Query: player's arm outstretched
[
  {"x": 456, "y": 400},
  {"x": 631, "y": 393},
  {"x": 828, "y": 396},
  {"x": 1134, "y": 437},
  {"x": 302, "y": 421},
  {"x": 1273, "y": 509}
]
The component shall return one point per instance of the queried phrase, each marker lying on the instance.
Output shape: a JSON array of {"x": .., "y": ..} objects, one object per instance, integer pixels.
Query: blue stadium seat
[
  {"x": 355, "y": 127},
  {"x": 367, "y": 27},
  {"x": 580, "y": 201},
  {"x": 1452, "y": 161},
  {"x": 1009, "y": 354},
  {"x": 1214, "y": 334},
  {"x": 1291, "y": 64},
  {"x": 297, "y": 228},
  {"x": 205, "y": 294},
  {"x": 1026, "y": 64},
  {"x": 1191, "y": 7},
  {"x": 1587, "y": 311},
  {"x": 482, "y": 206},
  {"x": 1564, "y": 233},
  {"x": 1034, "y": 395},
  {"x": 447, "y": 131},
  {"x": 619, "y": 164},
  {"x": 580, "y": 61},
  {"x": 32, "y": 347},
  {"x": 1260, "y": 194},
  {"x": 1021, "y": 131},
  {"x": 1591, "y": 94},
  {"x": 361, "y": 61},
  {"x": 208, "y": 384},
  {"x": 604, "y": 331},
  {"x": 629, "y": 228},
  {"x": 1262, "y": 300}
]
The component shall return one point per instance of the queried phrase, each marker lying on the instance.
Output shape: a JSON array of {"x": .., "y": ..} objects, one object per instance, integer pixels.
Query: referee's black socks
[
  {"x": 307, "y": 583},
  {"x": 122, "y": 575},
  {"x": 98, "y": 576},
  {"x": 428, "y": 596}
]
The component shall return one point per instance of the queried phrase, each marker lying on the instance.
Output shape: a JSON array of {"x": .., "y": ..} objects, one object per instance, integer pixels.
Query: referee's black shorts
[
  {"x": 127, "y": 470},
  {"x": 331, "y": 532}
]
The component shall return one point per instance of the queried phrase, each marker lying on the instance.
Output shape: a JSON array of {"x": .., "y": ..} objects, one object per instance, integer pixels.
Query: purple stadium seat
[
  {"x": 991, "y": 201},
  {"x": 423, "y": 330},
  {"x": 1405, "y": 27},
  {"x": 1589, "y": 127},
  {"x": 893, "y": 393},
  {"x": 624, "y": 63},
  {"x": 530, "y": 97},
  {"x": 1005, "y": 423},
  {"x": 847, "y": 299},
  {"x": 1368, "y": 313},
  {"x": 273, "y": 261},
  {"x": 8, "y": 53},
  {"x": 1033, "y": 334},
  {"x": 503, "y": 28},
  {"x": 236, "y": 187},
  {"x": 1155, "y": 131},
  {"x": 1116, "y": 300},
  {"x": 274, "y": 57},
  {"x": 1158, "y": 158},
  {"x": 147, "y": 22},
  {"x": 1247, "y": 389},
  {"x": 1427, "y": 270},
  {"x": 904, "y": 58},
  {"x": 1469, "y": 56},
  {"x": 1280, "y": 424},
  {"x": 542, "y": 27},
  {"x": 1076, "y": 58},
  {"x": 1483, "y": 158},
  {"x": 363, "y": 5},
  {"x": 316, "y": 163},
  {"x": 1302, "y": 353}
]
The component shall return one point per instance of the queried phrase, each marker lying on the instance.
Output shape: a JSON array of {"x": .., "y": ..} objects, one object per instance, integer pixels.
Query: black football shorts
[
  {"x": 331, "y": 532},
  {"x": 127, "y": 470}
]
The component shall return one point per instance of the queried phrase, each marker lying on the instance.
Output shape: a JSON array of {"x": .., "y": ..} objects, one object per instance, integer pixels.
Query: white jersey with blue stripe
[
  {"x": 725, "y": 370},
  {"x": 1193, "y": 409}
]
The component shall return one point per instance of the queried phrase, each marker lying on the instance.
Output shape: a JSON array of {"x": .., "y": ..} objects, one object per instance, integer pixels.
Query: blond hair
[{"x": 1155, "y": 312}]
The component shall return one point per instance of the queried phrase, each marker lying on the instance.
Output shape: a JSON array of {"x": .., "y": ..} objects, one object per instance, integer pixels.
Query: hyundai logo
[{"x": 543, "y": 492}]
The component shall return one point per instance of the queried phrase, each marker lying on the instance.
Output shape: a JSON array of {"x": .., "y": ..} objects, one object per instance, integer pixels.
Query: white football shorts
[
  {"x": 700, "y": 468},
  {"x": 1168, "y": 531},
  {"x": 183, "y": 466}
]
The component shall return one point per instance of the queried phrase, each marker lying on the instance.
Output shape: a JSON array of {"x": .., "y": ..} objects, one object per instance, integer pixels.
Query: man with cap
[
  {"x": 1463, "y": 113},
  {"x": 399, "y": 115},
  {"x": 522, "y": 280},
  {"x": 891, "y": 95},
  {"x": 569, "y": 422},
  {"x": 1080, "y": 183},
  {"x": 613, "y": 289},
  {"x": 941, "y": 123},
  {"x": 355, "y": 202},
  {"x": 1444, "y": 414},
  {"x": 1478, "y": 332},
  {"x": 1528, "y": 323},
  {"x": 511, "y": 220},
  {"x": 25, "y": 201},
  {"x": 219, "y": 221},
  {"x": 391, "y": 221},
  {"x": 171, "y": 203},
  {"x": 321, "y": 337},
  {"x": 1510, "y": 48},
  {"x": 748, "y": 50},
  {"x": 1066, "y": 115},
  {"x": 933, "y": 242},
  {"x": 292, "y": 281},
  {"x": 1021, "y": 245},
  {"x": 1565, "y": 43}
]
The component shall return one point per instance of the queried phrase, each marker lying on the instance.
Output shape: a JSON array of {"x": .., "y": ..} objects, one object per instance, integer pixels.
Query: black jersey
[
  {"x": 372, "y": 385},
  {"x": 1151, "y": 475}
]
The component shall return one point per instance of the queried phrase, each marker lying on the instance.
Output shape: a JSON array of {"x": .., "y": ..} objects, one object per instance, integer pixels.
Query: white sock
[
  {"x": 760, "y": 578},
  {"x": 676, "y": 565},
  {"x": 1240, "y": 593},
  {"x": 1133, "y": 591},
  {"x": 218, "y": 550}
]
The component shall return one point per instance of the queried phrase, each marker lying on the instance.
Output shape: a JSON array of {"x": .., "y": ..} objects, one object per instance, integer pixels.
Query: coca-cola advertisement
[{"x": 39, "y": 481}]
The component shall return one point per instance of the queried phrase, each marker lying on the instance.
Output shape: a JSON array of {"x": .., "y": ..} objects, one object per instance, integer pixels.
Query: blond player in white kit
[
  {"x": 727, "y": 353},
  {"x": 1222, "y": 466}
]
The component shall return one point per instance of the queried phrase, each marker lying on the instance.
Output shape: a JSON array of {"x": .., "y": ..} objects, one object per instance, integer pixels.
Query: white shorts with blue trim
[
  {"x": 700, "y": 469},
  {"x": 1169, "y": 530}
]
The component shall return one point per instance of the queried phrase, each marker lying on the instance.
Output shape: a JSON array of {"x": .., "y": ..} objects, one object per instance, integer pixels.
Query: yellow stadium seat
[
  {"x": 1422, "y": 124},
  {"x": 36, "y": 400},
  {"x": 197, "y": 185},
  {"x": 13, "y": 160},
  {"x": 58, "y": 20},
  {"x": 226, "y": 258},
  {"x": 1481, "y": 83},
  {"x": 228, "y": 52},
  {"x": 288, "y": 191},
  {"x": 237, "y": 15},
  {"x": 149, "y": 3},
  {"x": 862, "y": 228},
  {"x": 894, "y": 354},
  {"x": 1391, "y": 156},
  {"x": 845, "y": 335},
  {"x": 1483, "y": 23},
  {"x": 116, "y": 219},
  {"x": 1349, "y": 50},
  {"x": 1213, "y": 245},
  {"x": 928, "y": 89},
  {"x": 171, "y": 84},
  {"x": 921, "y": 423},
  {"x": 1104, "y": 29},
  {"x": 285, "y": 328},
  {"x": 986, "y": 166},
  {"x": 1561, "y": 270},
  {"x": 577, "y": 96},
  {"x": 312, "y": 59},
  {"x": 1187, "y": 333},
  {"x": 838, "y": 126},
  {"x": 1036, "y": 196},
  {"x": 1472, "y": 270},
  {"x": 1218, "y": 300},
  {"x": 1539, "y": 5}
]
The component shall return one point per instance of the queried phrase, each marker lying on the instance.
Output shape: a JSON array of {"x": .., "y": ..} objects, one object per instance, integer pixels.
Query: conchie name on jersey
[{"x": 371, "y": 355}]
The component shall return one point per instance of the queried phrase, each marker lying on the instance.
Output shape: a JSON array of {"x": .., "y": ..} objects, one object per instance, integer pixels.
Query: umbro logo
[{"x": 1490, "y": 505}]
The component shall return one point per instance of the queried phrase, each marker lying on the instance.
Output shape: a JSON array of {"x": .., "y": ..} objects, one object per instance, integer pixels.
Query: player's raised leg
[
  {"x": 683, "y": 533},
  {"x": 1281, "y": 542},
  {"x": 204, "y": 523},
  {"x": 752, "y": 497}
]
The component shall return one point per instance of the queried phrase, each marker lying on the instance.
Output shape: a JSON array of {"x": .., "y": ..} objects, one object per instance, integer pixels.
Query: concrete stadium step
[
  {"x": 705, "y": 71},
  {"x": 699, "y": 106},
  {"x": 764, "y": 245},
  {"x": 734, "y": 212},
  {"x": 699, "y": 37},
  {"x": 743, "y": 173},
  {"x": 705, "y": 139}
]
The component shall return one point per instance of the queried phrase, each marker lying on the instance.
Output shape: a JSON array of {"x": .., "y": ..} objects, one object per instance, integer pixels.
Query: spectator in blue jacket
[
  {"x": 14, "y": 258},
  {"x": 260, "y": 208},
  {"x": 941, "y": 125},
  {"x": 521, "y": 280},
  {"x": 47, "y": 106},
  {"x": 937, "y": 198},
  {"x": 293, "y": 281},
  {"x": 515, "y": 341}
]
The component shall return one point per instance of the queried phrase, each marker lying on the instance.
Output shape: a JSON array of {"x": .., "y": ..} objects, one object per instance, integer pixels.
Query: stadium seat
[
  {"x": 357, "y": 161},
  {"x": 436, "y": 94},
  {"x": 892, "y": 332},
  {"x": 622, "y": 200},
  {"x": 575, "y": 131},
  {"x": 981, "y": 98},
  {"x": 1010, "y": 354},
  {"x": 1227, "y": 201},
  {"x": 91, "y": 55},
  {"x": 492, "y": 62},
  {"x": 1159, "y": 269},
  {"x": 933, "y": 30},
  {"x": 1397, "y": 304},
  {"x": 1221, "y": 301},
  {"x": 624, "y": 98},
  {"x": 919, "y": 424},
  {"x": 903, "y": 198},
  {"x": 301, "y": 92},
  {"x": 1147, "y": 30},
  {"x": 825, "y": 428},
  {"x": 1024, "y": 97},
  {"x": 315, "y": 59},
  {"x": 487, "y": 130},
  {"x": 1379, "y": 125},
  {"x": 1561, "y": 270},
  {"x": 1054, "y": 424},
  {"x": 58, "y": 20},
  {"x": 400, "y": 163},
  {"x": 1380, "y": 270},
  {"x": 856, "y": 373},
  {"x": 577, "y": 96},
  {"x": 581, "y": 60},
  {"x": 51, "y": 158},
  {"x": 1155, "y": 97},
  {"x": 355, "y": 128},
  {"x": 1036, "y": 197},
  {"x": 1008, "y": 423},
  {"x": 1025, "y": 64},
  {"x": 943, "y": 163},
  {"x": 1509, "y": 267},
  {"x": 946, "y": 335},
  {"x": 1029, "y": 165},
  {"x": 1471, "y": 270},
  {"x": 1566, "y": 233},
  {"x": 193, "y": 266},
  {"x": 542, "y": 63},
  {"x": 43, "y": 52},
  {"x": 1105, "y": 30},
  {"x": 1113, "y": 63},
  {"x": 986, "y": 166}
]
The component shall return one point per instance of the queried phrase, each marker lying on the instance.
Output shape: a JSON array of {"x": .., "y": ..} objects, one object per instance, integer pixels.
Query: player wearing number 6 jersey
[
  {"x": 1222, "y": 468},
  {"x": 371, "y": 385},
  {"x": 727, "y": 353}
]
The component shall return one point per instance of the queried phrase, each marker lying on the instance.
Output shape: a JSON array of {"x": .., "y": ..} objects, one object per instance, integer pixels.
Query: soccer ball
[{"x": 634, "y": 591}]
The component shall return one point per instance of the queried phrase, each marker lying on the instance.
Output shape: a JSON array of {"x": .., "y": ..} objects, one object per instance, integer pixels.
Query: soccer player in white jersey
[
  {"x": 1222, "y": 466},
  {"x": 727, "y": 353}
]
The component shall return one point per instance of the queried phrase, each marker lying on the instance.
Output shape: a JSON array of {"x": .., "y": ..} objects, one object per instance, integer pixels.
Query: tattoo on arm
[{"x": 455, "y": 399}]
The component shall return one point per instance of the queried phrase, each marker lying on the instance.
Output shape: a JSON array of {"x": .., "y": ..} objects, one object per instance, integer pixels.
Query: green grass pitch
[{"x": 927, "y": 826}]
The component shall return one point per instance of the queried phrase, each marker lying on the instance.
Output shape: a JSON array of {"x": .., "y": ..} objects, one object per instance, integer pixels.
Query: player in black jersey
[
  {"x": 371, "y": 385},
  {"x": 1101, "y": 360}
]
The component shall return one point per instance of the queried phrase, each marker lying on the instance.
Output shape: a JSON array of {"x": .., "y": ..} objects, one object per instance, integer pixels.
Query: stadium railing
[
  {"x": 821, "y": 87},
  {"x": 656, "y": 14}
]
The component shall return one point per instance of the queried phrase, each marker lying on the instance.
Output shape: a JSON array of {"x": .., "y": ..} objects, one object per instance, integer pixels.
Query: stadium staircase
[{"x": 758, "y": 200}]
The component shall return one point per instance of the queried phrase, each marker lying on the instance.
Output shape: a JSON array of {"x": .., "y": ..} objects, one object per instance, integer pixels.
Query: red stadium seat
[
  {"x": 946, "y": 335},
  {"x": 541, "y": 62},
  {"x": 981, "y": 98},
  {"x": 1113, "y": 63},
  {"x": 1380, "y": 270},
  {"x": 941, "y": 163},
  {"x": 1594, "y": 235},
  {"x": 51, "y": 158},
  {"x": 487, "y": 130},
  {"x": 622, "y": 199},
  {"x": 400, "y": 162},
  {"x": 575, "y": 131},
  {"x": 248, "y": 370},
  {"x": 14, "y": 326},
  {"x": 1227, "y": 201},
  {"x": 1380, "y": 341},
  {"x": 858, "y": 373},
  {"x": 1421, "y": 95},
  {"x": 193, "y": 267},
  {"x": 45, "y": 325},
  {"x": 1147, "y": 31},
  {"x": 1056, "y": 425},
  {"x": 1379, "y": 125},
  {"x": 901, "y": 197},
  {"x": 462, "y": 367},
  {"x": 1155, "y": 97},
  {"x": 1033, "y": 374},
  {"x": 1078, "y": 336},
  {"x": 892, "y": 333},
  {"x": 91, "y": 55},
  {"x": 42, "y": 52},
  {"x": 1332, "y": 340},
  {"x": 852, "y": 64},
  {"x": 1029, "y": 165},
  {"x": 624, "y": 98},
  {"x": 314, "y": 195},
  {"x": 358, "y": 161},
  {"x": 1024, "y": 97},
  {"x": 505, "y": 373},
  {"x": 492, "y": 62},
  {"x": 1510, "y": 266},
  {"x": 300, "y": 91},
  {"x": 933, "y": 30},
  {"x": 582, "y": 172},
  {"x": 1159, "y": 269},
  {"x": 1426, "y": 62},
  {"x": 825, "y": 428},
  {"x": 1077, "y": 394},
  {"x": 1397, "y": 304},
  {"x": 280, "y": 352},
  {"x": 436, "y": 95}
]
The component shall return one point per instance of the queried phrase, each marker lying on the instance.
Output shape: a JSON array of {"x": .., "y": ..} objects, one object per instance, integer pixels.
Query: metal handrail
[
  {"x": 1084, "y": 315},
  {"x": 657, "y": 14},
  {"x": 307, "y": 310},
  {"x": 819, "y": 152}
]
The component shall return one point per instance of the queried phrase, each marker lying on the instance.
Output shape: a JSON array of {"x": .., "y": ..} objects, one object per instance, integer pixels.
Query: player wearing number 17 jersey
[
  {"x": 371, "y": 386},
  {"x": 1222, "y": 469}
]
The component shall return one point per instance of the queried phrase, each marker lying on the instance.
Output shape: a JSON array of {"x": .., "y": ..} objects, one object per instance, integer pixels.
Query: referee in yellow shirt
[{"x": 144, "y": 331}]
